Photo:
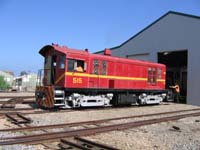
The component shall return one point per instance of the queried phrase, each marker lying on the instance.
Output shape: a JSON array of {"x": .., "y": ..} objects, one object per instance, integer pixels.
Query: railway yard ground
[{"x": 164, "y": 127}]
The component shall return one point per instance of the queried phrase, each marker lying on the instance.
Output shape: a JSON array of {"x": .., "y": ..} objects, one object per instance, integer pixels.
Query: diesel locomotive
[{"x": 76, "y": 78}]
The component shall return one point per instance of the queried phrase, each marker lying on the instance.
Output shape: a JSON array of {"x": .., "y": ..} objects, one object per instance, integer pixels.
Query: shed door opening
[{"x": 176, "y": 63}]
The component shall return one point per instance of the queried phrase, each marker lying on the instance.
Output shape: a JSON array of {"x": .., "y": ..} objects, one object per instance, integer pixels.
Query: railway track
[
  {"x": 17, "y": 97},
  {"x": 13, "y": 100},
  {"x": 99, "y": 128},
  {"x": 41, "y": 111},
  {"x": 93, "y": 122},
  {"x": 29, "y": 111},
  {"x": 20, "y": 101},
  {"x": 15, "y": 109},
  {"x": 83, "y": 144},
  {"x": 18, "y": 118}
]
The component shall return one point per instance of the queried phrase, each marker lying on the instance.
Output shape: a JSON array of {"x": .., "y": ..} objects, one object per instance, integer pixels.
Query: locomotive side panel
[{"x": 108, "y": 73}]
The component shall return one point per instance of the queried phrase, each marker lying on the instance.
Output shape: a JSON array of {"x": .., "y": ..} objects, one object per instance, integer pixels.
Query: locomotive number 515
[{"x": 77, "y": 80}]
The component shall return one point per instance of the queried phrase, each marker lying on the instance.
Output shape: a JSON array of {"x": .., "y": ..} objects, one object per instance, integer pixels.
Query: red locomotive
[{"x": 75, "y": 78}]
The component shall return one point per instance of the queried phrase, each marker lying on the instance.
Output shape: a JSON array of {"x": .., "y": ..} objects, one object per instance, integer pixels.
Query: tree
[{"x": 3, "y": 84}]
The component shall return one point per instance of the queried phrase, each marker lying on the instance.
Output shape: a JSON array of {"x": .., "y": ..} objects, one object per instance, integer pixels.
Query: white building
[{"x": 25, "y": 82}]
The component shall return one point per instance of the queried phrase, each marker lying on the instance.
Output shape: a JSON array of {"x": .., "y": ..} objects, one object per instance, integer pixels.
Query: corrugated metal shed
[{"x": 172, "y": 39}]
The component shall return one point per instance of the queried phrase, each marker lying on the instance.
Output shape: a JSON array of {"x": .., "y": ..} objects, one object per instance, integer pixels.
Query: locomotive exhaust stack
[{"x": 75, "y": 78}]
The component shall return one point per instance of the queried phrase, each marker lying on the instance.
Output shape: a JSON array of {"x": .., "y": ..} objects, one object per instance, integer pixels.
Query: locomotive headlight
[{"x": 144, "y": 95}]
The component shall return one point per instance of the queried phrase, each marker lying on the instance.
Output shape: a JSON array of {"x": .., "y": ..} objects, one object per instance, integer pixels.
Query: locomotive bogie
[
  {"x": 145, "y": 99},
  {"x": 76, "y": 100}
]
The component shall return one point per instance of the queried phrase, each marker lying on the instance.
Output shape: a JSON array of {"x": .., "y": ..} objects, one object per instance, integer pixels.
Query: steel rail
[
  {"x": 93, "y": 122},
  {"x": 54, "y": 110},
  {"x": 11, "y": 103},
  {"x": 72, "y": 144},
  {"x": 17, "y": 97},
  {"x": 101, "y": 145},
  {"x": 38, "y": 138},
  {"x": 83, "y": 144},
  {"x": 16, "y": 109},
  {"x": 33, "y": 111},
  {"x": 19, "y": 102},
  {"x": 18, "y": 118}
]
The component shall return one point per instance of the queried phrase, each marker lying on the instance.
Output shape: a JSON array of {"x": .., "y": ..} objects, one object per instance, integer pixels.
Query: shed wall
[{"x": 171, "y": 33}]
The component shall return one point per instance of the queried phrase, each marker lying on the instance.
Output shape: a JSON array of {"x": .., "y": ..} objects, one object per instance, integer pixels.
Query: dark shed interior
[{"x": 176, "y": 63}]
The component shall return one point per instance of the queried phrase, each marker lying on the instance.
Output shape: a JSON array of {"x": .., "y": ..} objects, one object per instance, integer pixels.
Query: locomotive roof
[
  {"x": 66, "y": 50},
  {"x": 62, "y": 49},
  {"x": 119, "y": 59}
]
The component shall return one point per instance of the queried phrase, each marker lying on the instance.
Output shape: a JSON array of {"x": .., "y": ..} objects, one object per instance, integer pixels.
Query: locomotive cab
[
  {"x": 57, "y": 76},
  {"x": 50, "y": 79}
]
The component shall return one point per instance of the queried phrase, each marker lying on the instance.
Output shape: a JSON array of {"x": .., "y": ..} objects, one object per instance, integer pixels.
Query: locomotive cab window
[
  {"x": 62, "y": 62},
  {"x": 76, "y": 65},
  {"x": 97, "y": 64},
  {"x": 104, "y": 67},
  {"x": 159, "y": 73},
  {"x": 152, "y": 75},
  {"x": 54, "y": 57},
  {"x": 95, "y": 67}
]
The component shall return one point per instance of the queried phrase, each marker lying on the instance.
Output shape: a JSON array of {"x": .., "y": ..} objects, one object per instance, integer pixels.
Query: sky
[{"x": 28, "y": 25}]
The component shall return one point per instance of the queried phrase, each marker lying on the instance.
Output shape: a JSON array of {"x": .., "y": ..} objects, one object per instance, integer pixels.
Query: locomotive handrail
[{"x": 41, "y": 77}]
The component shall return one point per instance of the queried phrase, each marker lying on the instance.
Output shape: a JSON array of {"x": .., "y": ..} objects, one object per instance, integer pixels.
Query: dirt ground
[{"x": 156, "y": 137}]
